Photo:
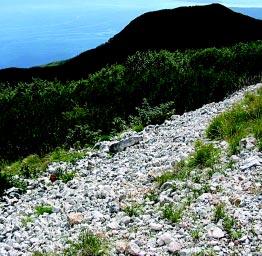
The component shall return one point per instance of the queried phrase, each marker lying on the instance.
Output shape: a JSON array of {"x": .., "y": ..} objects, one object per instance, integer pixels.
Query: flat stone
[
  {"x": 133, "y": 249},
  {"x": 174, "y": 247},
  {"x": 121, "y": 246},
  {"x": 215, "y": 232},
  {"x": 166, "y": 238},
  {"x": 250, "y": 162},
  {"x": 75, "y": 218},
  {"x": 125, "y": 143},
  {"x": 156, "y": 226}
]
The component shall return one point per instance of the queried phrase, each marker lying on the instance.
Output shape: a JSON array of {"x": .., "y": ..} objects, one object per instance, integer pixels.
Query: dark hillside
[{"x": 181, "y": 28}]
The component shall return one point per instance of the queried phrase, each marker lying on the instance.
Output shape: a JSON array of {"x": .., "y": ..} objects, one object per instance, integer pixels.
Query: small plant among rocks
[
  {"x": 219, "y": 212},
  {"x": 133, "y": 210},
  {"x": 228, "y": 222},
  {"x": 152, "y": 196},
  {"x": 41, "y": 209},
  {"x": 26, "y": 220},
  {"x": 195, "y": 234},
  {"x": 172, "y": 213},
  {"x": 64, "y": 175}
]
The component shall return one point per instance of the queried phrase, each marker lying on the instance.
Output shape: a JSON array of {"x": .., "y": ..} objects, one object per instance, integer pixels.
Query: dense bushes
[{"x": 39, "y": 116}]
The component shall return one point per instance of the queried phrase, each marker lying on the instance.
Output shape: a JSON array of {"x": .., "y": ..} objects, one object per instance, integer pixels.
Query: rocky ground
[{"x": 105, "y": 184}]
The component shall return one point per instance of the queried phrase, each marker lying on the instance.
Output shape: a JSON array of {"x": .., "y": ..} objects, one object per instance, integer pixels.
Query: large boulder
[{"x": 125, "y": 143}]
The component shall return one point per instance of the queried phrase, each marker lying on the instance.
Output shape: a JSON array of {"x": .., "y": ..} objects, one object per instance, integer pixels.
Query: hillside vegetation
[{"x": 37, "y": 117}]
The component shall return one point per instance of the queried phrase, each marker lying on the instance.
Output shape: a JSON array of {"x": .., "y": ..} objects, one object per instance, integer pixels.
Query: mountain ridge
[{"x": 170, "y": 29}]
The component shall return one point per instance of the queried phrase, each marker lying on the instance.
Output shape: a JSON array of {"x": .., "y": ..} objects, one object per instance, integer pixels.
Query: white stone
[
  {"x": 250, "y": 162},
  {"x": 215, "y": 232},
  {"x": 75, "y": 218},
  {"x": 156, "y": 226},
  {"x": 133, "y": 249},
  {"x": 121, "y": 246},
  {"x": 174, "y": 247},
  {"x": 166, "y": 238}
]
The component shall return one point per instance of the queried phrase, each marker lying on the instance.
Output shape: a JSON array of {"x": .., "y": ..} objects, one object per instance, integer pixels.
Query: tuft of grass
[
  {"x": 206, "y": 155},
  {"x": 88, "y": 244},
  {"x": 133, "y": 210},
  {"x": 171, "y": 213},
  {"x": 228, "y": 222},
  {"x": 229, "y": 225},
  {"x": 26, "y": 219},
  {"x": 206, "y": 252},
  {"x": 138, "y": 127},
  {"x": 152, "y": 196},
  {"x": 243, "y": 119},
  {"x": 195, "y": 234},
  {"x": 163, "y": 178},
  {"x": 219, "y": 212},
  {"x": 65, "y": 176},
  {"x": 41, "y": 209}
]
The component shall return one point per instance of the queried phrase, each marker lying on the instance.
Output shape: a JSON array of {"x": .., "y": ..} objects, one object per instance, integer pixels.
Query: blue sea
[{"x": 35, "y": 32}]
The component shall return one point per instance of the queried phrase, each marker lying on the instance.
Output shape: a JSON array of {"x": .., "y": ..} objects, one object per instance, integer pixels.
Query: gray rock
[
  {"x": 133, "y": 249},
  {"x": 125, "y": 143},
  {"x": 250, "y": 162},
  {"x": 174, "y": 247},
  {"x": 215, "y": 232},
  {"x": 166, "y": 238},
  {"x": 156, "y": 226}
]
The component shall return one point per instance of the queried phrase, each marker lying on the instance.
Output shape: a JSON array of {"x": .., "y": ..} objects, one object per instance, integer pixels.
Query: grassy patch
[
  {"x": 62, "y": 155},
  {"x": 243, "y": 119},
  {"x": 172, "y": 213},
  {"x": 41, "y": 209},
  {"x": 163, "y": 178},
  {"x": 195, "y": 234},
  {"x": 152, "y": 196},
  {"x": 206, "y": 155},
  {"x": 88, "y": 244},
  {"x": 12, "y": 175}
]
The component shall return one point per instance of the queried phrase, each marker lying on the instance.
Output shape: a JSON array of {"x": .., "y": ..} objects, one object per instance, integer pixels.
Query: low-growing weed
[
  {"x": 133, "y": 210},
  {"x": 172, "y": 213},
  {"x": 219, "y": 212},
  {"x": 41, "y": 209}
]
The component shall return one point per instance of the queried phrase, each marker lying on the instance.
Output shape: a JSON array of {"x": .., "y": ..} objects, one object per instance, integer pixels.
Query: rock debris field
[{"x": 105, "y": 184}]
